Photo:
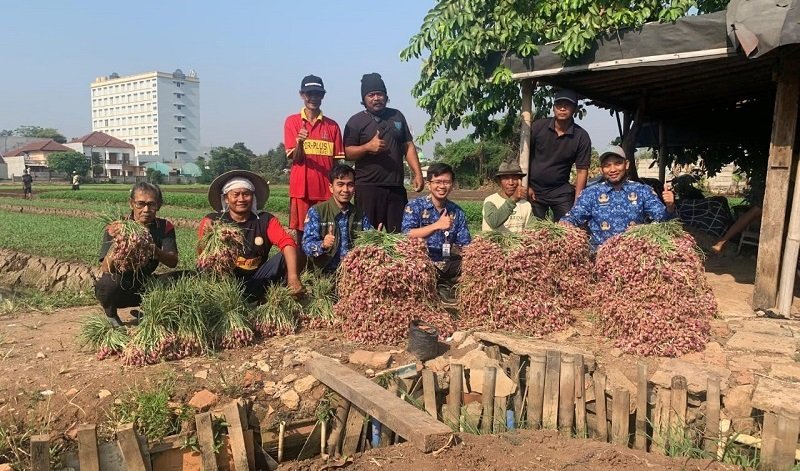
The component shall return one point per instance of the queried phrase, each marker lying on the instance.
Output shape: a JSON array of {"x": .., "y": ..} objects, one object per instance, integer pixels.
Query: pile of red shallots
[
  {"x": 220, "y": 246},
  {"x": 132, "y": 244},
  {"x": 525, "y": 282},
  {"x": 651, "y": 291},
  {"x": 386, "y": 281}
]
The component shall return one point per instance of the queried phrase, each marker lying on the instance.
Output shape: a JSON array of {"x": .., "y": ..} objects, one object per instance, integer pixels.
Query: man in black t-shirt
[
  {"x": 27, "y": 184},
  {"x": 557, "y": 144},
  {"x": 378, "y": 139}
]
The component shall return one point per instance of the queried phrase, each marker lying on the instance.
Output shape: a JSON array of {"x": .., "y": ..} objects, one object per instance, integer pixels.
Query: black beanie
[{"x": 372, "y": 83}]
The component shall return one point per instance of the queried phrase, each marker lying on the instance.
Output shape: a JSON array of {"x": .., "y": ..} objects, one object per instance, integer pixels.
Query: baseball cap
[
  {"x": 312, "y": 83},
  {"x": 613, "y": 151},
  {"x": 566, "y": 94}
]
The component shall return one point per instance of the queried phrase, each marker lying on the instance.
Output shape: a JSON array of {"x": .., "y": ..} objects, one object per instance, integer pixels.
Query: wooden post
[
  {"x": 281, "y": 439},
  {"x": 773, "y": 219},
  {"x": 342, "y": 411},
  {"x": 661, "y": 417},
  {"x": 791, "y": 250},
  {"x": 769, "y": 440},
  {"x": 514, "y": 363},
  {"x": 527, "y": 87},
  {"x": 536, "y": 374},
  {"x": 551, "y": 388},
  {"x": 580, "y": 398},
  {"x": 131, "y": 451},
  {"x": 600, "y": 406},
  {"x": 620, "y": 417},
  {"x": 493, "y": 352},
  {"x": 352, "y": 431},
  {"x": 662, "y": 152},
  {"x": 566, "y": 399},
  {"x": 236, "y": 435},
  {"x": 788, "y": 429},
  {"x": 87, "y": 448},
  {"x": 711, "y": 434},
  {"x": 455, "y": 395},
  {"x": 678, "y": 401},
  {"x": 489, "y": 378},
  {"x": 640, "y": 442},
  {"x": 429, "y": 392},
  {"x": 40, "y": 453},
  {"x": 205, "y": 439},
  {"x": 629, "y": 139}
]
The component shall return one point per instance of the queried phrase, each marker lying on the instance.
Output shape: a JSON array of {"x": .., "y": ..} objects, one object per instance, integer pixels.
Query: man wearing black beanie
[{"x": 377, "y": 139}]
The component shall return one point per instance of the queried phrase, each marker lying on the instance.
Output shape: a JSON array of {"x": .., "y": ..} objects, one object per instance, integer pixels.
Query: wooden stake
[
  {"x": 323, "y": 436},
  {"x": 87, "y": 448},
  {"x": 678, "y": 402},
  {"x": 352, "y": 431},
  {"x": 236, "y": 436},
  {"x": 40, "y": 453},
  {"x": 205, "y": 439},
  {"x": 527, "y": 87},
  {"x": 711, "y": 434},
  {"x": 640, "y": 443},
  {"x": 499, "y": 424},
  {"x": 489, "y": 378},
  {"x": 429, "y": 392},
  {"x": 551, "y": 389},
  {"x": 620, "y": 417},
  {"x": 536, "y": 376},
  {"x": 493, "y": 352},
  {"x": 514, "y": 363},
  {"x": 131, "y": 451},
  {"x": 788, "y": 429},
  {"x": 453, "y": 418},
  {"x": 580, "y": 398},
  {"x": 281, "y": 436},
  {"x": 769, "y": 441},
  {"x": 566, "y": 400},
  {"x": 342, "y": 411},
  {"x": 661, "y": 418},
  {"x": 600, "y": 406}
]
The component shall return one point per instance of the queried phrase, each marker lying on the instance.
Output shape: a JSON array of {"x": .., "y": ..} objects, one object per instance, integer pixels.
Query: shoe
[
  {"x": 137, "y": 314},
  {"x": 115, "y": 321},
  {"x": 446, "y": 295}
]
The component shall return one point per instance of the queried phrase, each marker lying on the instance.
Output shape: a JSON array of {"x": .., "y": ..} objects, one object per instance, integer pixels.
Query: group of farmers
[{"x": 324, "y": 220}]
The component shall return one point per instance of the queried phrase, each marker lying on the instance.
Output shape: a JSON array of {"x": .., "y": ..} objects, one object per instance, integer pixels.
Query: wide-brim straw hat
[{"x": 215, "y": 190}]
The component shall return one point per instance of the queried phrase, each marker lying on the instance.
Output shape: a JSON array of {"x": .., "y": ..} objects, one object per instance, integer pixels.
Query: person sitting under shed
[{"x": 238, "y": 197}]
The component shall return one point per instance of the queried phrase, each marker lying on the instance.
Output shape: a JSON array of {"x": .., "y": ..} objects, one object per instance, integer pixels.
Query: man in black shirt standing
[
  {"x": 378, "y": 139},
  {"x": 557, "y": 144}
]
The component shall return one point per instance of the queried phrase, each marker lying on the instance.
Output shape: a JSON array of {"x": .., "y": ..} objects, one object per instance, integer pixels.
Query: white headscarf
[{"x": 239, "y": 183}]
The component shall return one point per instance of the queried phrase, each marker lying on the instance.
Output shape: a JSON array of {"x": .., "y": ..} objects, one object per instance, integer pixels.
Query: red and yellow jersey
[{"x": 309, "y": 177}]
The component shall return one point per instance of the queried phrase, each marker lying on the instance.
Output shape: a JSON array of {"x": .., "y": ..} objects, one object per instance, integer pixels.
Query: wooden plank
[
  {"x": 429, "y": 392},
  {"x": 661, "y": 415},
  {"x": 678, "y": 403},
  {"x": 352, "y": 431},
  {"x": 788, "y": 429},
  {"x": 493, "y": 352},
  {"x": 425, "y": 432},
  {"x": 711, "y": 435},
  {"x": 130, "y": 448},
  {"x": 236, "y": 436},
  {"x": 566, "y": 395},
  {"x": 515, "y": 370},
  {"x": 87, "y": 448},
  {"x": 40, "y": 453},
  {"x": 640, "y": 442},
  {"x": 536, "y": 375},
  {"x": 249, "y": 443},
  {"x": 551, "y": 389},
  {"x": 773, "y": 219},
  {"x": 769, "y": 440},
  {"x": 526, "y": 346},
  {"x": 600, "y": 406},
  {"x": 311, "y": 445},
  {"x": 205, "y": 439},
  {"x": 580, "y": 398},
  {"x": 342, "y": 411},
  {"x": 499, "y": 424},
  {"x": 453, "y": 418},
  {"x": 620, "y": 417},
  {"x": 487, "y": 412}
]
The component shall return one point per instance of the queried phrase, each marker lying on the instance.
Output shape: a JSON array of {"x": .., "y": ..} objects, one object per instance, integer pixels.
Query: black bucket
[{"x": 423, "y": 340}]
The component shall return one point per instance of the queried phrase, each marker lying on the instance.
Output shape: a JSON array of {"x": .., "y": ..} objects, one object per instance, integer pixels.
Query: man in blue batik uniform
[
  {"x": 442, "y": 224},
  {"x": 615, "y": 204}
]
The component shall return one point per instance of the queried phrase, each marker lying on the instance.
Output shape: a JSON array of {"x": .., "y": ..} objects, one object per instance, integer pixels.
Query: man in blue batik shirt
[
  {"x": 442, "y": 224},
  {"x": 615, "y": 204},
  {"x": 331, "y": 226}
]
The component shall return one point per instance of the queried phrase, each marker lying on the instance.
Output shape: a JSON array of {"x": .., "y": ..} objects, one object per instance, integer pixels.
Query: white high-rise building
[{"x": 157, "y": 112}]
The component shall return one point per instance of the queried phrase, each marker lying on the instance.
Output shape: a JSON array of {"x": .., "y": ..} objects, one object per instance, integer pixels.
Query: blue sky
[{"x": 250, "y": 57}]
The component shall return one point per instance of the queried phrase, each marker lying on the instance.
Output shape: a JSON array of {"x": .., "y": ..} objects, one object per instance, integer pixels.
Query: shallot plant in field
[
  {"x": 652, "y": 296},
  {"x": 386, "y": 281},
  {"x": 525, "y": 282}
]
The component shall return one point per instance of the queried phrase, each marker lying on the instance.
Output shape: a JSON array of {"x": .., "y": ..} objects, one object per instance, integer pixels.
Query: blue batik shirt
[
  {"x": 609, "y": 212},
  {"x": 421, "y": 212},
  {"x": 313, "y": 233}
]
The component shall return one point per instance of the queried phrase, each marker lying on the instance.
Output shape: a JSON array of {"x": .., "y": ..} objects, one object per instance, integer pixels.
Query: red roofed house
[
  {"x": 117, "y": 157},
  {"x": 32, "y": 155}
]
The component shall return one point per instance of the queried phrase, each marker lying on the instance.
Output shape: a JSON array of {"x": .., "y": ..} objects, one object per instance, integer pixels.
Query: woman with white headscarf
[{"x": 237, "y": 197}]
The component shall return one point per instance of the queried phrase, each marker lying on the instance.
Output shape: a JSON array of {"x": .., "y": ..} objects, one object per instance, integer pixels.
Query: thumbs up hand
[
  {"x": 329, "y": 239},
  {"x": 376, "y": 145}
]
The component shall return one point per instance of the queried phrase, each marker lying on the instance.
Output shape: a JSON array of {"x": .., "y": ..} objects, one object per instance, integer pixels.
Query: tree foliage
[
  {"x": 458, "y": 38},
  {"x": 38, "y": 131},
  {"x": 223, "y": 159},
  {"x": 272, "y": 164},
  {"x": 68, "y": 162},
  {"x": 474, "y": 161}
]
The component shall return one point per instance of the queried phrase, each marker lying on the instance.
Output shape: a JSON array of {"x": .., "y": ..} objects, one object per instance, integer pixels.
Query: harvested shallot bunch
[
  {"x": 132, "y": 244},
  {"x": 220, "y": 246}
]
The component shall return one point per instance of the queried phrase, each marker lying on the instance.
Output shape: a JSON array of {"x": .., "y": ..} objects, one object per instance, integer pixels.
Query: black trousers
[
  {"x": 560, "y": 206},
  {"x": 450, "y": 272},
  {"x": 125, "y": 289},
  {"x": 272, "y": 271},
  {"x": 382, "y": 205}
]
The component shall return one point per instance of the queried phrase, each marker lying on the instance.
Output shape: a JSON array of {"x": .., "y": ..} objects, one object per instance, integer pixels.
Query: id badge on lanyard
[{"x": 446, "y": 246}]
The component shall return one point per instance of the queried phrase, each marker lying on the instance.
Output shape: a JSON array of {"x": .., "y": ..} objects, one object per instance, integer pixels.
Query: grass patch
[
  {"x": 150, "y": 412},
  {"x": 32, "y": 300}
]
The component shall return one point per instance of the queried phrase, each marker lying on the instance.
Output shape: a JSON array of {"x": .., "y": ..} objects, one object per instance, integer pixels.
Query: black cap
[
  {"x": 372, "y": 83},
  {"x": 566, "y": 94},
  {"x": 312, "y": 83}
]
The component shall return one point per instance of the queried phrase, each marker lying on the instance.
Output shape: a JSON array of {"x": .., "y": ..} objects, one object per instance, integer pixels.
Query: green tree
[
  {"x": 223, "y": 159},
  {"x": 474, "y": 161},
  {"x": 272, "y": 164},
  {"x": 68, "y": 162},
  {"x": 154, "y": 176},
  {"x": 462, "y": 42},
  {"x": 38, "y": 131}
]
